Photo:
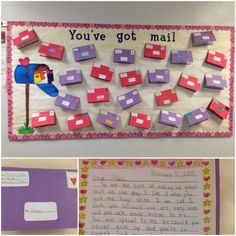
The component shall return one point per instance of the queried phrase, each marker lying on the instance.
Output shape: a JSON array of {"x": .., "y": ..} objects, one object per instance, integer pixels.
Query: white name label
[
  {"x": 100, "y": 97},
  {"x": 15, "y": 178},
  {"x": 132, "y": 80},
  {"x": 139, "y": 121},
  {"x": 71, "y": 77},
  {"x": 44, "y": 118},
  {"x": 190, "y": 83},
  {"x": 65, "y": 103},
  {"x": 101, "y": 76},
  {"x": 129, "y": 101},
  {"x": 200, "y": 116},
  {"x": 124, "y": 58},
  {"x": 79, "y": 122},
  {"x": 156, "y": 52},
  {"x": 217, "y": 59},
  {"x": 40, "y": 211},
  {"x": 159, "y": 77},
  {"x": 216, "y": 82},
  {"x": 84, "y": 54},
  {"x": 205, "y": 37},
  {"x": 171, "y": 119}
]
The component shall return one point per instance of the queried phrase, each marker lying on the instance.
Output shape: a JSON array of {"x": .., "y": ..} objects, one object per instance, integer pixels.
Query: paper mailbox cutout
[
  {"x": 25, "y": 38},
  {"x": 34, "y": 199},
  {"x": 39, "y": 74}
]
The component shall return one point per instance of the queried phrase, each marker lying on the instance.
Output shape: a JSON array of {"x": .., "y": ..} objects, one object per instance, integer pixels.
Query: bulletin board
[{"x": 126, "y": 37}]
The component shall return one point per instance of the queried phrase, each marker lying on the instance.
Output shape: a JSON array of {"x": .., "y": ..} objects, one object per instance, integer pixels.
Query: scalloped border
[{"x": 46, "y": 136}]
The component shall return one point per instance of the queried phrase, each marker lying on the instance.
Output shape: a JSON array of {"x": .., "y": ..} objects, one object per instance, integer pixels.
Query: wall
[{"x": 195, "y": 13}]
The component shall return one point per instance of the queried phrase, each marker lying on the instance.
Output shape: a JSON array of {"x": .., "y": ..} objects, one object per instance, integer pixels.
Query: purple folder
[{"x": 34, "y": 199}]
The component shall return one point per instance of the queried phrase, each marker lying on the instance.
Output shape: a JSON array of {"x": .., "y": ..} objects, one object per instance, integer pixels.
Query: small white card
[
  {"x": 71, "y": 178},
  {"x": 15, "y": 178},
  {"x": 40, "y": 211}
]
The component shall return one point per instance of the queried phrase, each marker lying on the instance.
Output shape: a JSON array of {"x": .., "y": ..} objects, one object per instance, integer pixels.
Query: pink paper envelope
[{"x": 34, "y": 199}]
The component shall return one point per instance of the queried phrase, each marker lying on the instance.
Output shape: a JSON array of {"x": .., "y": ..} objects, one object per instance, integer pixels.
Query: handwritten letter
[{"x": 144, "y": 201}]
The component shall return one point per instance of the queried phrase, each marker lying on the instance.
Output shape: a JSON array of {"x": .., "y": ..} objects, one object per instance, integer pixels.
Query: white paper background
[{"x": 188, "y": 100}]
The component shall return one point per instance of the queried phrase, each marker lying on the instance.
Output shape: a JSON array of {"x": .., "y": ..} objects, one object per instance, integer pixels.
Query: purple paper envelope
[
  {"x": 203, "y": 38},
  {"x": 197, "y": 116},
  {"x": 170, "y": 118},
  {"x": 181, "y": 57},
  {"x": 71, "y": 77},
  {"x": 215, "y": 81},
  {"x": 108, "y": 119},
  {"x": 84, "y": 52},
  {"x": 67, "y": 101},
  {"x": 34, "y": 199},
  {"x": 129, "y": 99},
  {"x": 158, "y": 76},
  {"x": 124, "y": 55}
]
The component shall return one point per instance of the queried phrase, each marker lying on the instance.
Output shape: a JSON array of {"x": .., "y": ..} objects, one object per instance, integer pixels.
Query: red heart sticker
[
  {"x": 103, "y": 162},
  {"x": 137, "y": 162},
  {"x": 206, "y": 178},
  {"x": 73, "y": 180},
  {"x": 81, "y": 225},
  {"x": 205, "y": 163},
  {"x": 188, "y": 163},
  {"x": 85, "y": 162},
  {"x": 206, "y": 211},
  {"x": 82, "y": 208},
  {"x": 154, "y": 162},
  {"x": 171, "y": 163},
  {"x": 206, "y": 229},
  {"x": 120, "y": 163},
  {"x": 206, "y": 194},
  {"x": 83, "y": 191},
  {"x": 84, "y": 176},
  {"x": 24, "y": 61}
]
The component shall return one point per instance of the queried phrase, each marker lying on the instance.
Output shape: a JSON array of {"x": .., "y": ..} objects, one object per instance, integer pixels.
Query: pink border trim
[{"x": 115, "y": 134}]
